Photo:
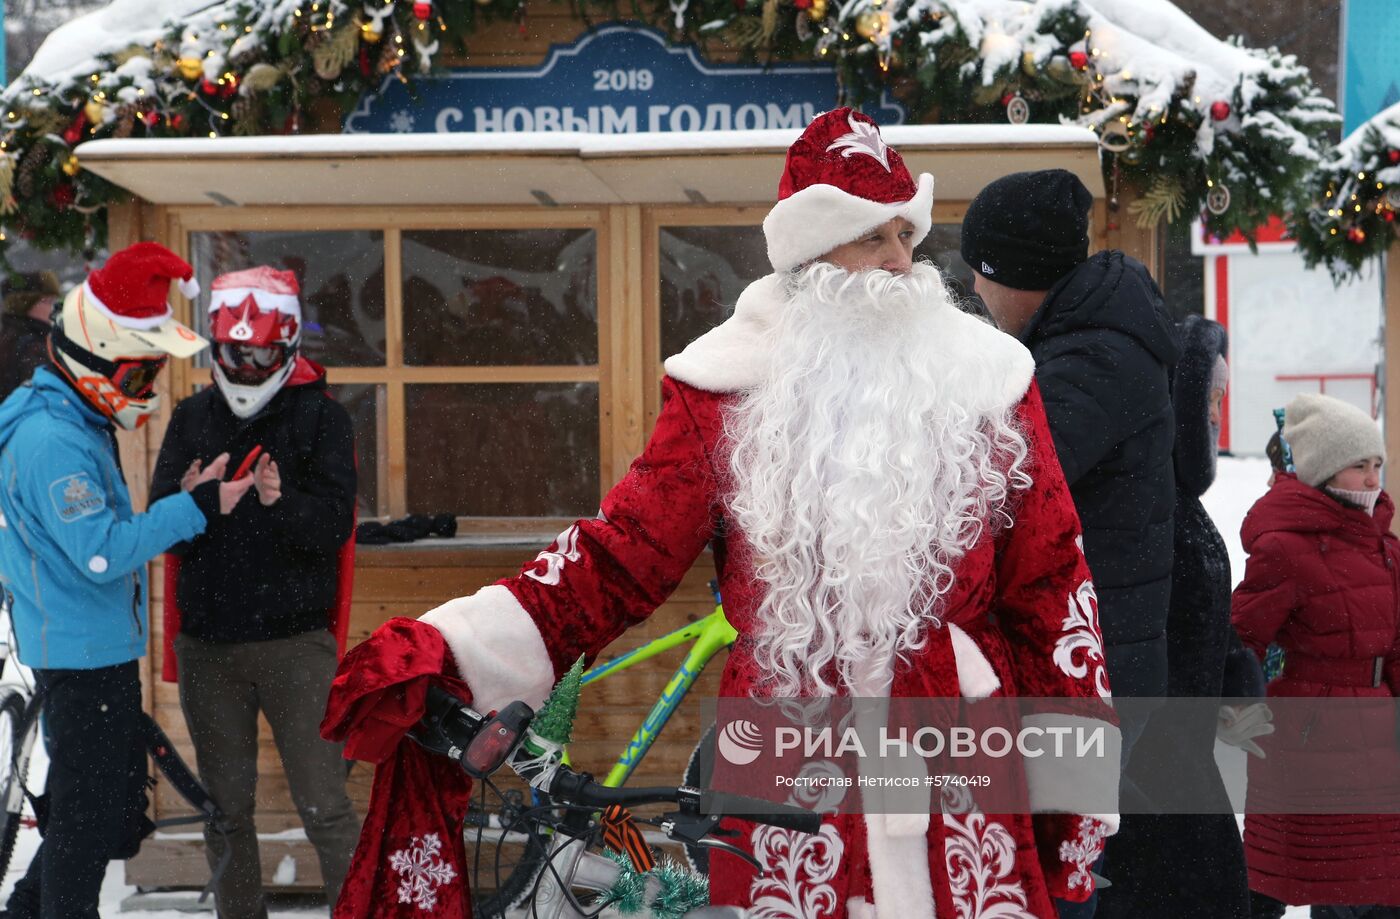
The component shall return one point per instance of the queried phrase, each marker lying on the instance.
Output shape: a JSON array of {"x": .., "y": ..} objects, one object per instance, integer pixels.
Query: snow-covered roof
[
  {"x": 580, "y": 144},
  {"x": 72, "y": 49},
  {"x": 579, "y": 168}
]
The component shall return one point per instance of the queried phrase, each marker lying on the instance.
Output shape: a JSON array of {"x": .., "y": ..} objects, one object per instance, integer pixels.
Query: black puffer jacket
[
  {"x": 265, "y": 572},
  {"x": 24, "y": 345},
  {"x": 1103, "y": 345},
  {"x": 1173, "y": 764}
]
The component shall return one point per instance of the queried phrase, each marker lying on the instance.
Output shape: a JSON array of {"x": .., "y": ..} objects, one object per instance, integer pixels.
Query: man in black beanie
[{"x": 1103, "y": 345}]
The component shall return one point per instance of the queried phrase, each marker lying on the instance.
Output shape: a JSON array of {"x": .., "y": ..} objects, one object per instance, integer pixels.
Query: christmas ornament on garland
[
  {"x": 422, "y": 10},
  {"x": 1393, "y": 156},
  {"x": 1219, "y": 110},
  {"x": 1079, "y": 59},
  {"x": 95, "y": 110},
  {"x": 369, "y": 31},
  {"x": 190, "y": 68},
  {"x": 817, "y": 11},
  {"x": 1356, "y": 235},
  {"x": 70, "y": 165},
  {"x": 1218, "y": 199},
  {"x": 1018, "y": 110},
  {"x": 1114, "y": 138},
  {"x": 869, "y": 24},
  {"x": 74, "y": 132}
]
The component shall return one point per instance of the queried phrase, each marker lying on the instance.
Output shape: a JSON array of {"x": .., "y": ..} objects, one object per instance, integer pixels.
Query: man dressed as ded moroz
[{"x": 878, "y": 464}]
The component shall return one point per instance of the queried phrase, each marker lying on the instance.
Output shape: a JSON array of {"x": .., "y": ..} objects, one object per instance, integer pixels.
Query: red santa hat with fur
[{"x": 841, "y": 180}]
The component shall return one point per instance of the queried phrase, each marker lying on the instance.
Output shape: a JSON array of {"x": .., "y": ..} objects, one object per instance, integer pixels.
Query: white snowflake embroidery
[
  {"x": 401, "y": 123},
  {"x": 864, "y": 138},
  {"x": 797, "y": 870},
  {"x": 980, "y": 856},
  {"x": 423, "y": 871},
  {"x": 1083, "y": 851},
  {"x": 1080, "y": 635}
]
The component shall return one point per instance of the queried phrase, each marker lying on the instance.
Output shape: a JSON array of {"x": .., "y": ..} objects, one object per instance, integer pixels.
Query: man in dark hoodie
[
  {"x": 1103, "y": 346},
  {"x": 257, "y": 595},
  {"x": 29, "y": 300}
]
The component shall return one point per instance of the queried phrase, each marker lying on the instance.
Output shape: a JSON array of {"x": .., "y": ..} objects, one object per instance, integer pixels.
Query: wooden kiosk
[{"x": 493, "y": 310}]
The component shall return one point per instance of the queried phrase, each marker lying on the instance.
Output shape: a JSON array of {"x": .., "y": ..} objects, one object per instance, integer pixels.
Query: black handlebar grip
[{"x": 758, "y": 811}]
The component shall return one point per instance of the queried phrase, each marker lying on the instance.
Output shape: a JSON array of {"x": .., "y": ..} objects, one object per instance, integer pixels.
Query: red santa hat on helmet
[
  {"x": 133, "y": 287},
  {"x": 270, "y": 288},
  {"x": 841, "y": 180}
]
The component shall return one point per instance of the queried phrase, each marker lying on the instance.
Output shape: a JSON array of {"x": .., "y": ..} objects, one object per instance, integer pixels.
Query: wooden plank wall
[{"x": 394, "y": 581}]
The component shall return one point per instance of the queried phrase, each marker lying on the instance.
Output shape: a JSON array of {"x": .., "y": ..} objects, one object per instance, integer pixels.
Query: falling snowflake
[
  {"x": 864, "y": 138},
  {"x": 401, "y": 123},
  {"x": 423, "y": 871}
]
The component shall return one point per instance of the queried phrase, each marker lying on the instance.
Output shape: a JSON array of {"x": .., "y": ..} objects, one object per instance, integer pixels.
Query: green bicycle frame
[{"x": 709, "y": 635}]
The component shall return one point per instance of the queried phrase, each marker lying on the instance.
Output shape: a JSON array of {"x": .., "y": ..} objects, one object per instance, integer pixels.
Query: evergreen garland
[{"x": 248, "y": 67}]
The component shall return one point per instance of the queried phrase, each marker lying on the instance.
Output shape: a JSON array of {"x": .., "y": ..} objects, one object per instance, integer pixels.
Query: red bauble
[
  {"x": 1148, "y": 132},
  {"x": 74, "y": 132},
  {"x": 1394, "y": 156},
  {"x": 1220, "y": 110},
  {"x": 1079, "y": 60},
  {"x": 422, "y": 10},
  {"x": 1356, "y": 235},
  {"x": 1389, "y": 216},
  {"x": 151, "y": 119},
  {"x": 177, "y": 121},
  {"x": 229, "y": 87},
  {"x": 63, "y": 196},
  {"x": 208, "y": 87}
]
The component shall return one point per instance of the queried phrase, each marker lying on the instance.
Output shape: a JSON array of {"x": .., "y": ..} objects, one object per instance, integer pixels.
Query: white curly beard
[{"x": 859, "y": 481}]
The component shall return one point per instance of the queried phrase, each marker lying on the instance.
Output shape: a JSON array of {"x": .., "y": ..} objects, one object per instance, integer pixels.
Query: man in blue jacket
[{"x": 73, "y": 556}]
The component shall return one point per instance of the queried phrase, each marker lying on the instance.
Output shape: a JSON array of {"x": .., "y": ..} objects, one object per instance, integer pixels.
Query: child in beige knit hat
[{"x": 1336, "y": 447}]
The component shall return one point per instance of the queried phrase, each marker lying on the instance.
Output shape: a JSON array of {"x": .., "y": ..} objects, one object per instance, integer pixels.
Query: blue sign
[
  {"x": 620, "y": 79},
  {"x": 1370, "y": 77}
]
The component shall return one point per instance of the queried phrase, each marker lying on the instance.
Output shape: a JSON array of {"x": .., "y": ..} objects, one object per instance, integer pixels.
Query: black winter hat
[{"x": 1028, "y": 229}]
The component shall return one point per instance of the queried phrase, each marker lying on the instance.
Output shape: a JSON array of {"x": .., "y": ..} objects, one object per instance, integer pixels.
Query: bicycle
[
  {"x": 488, "y": 829},
  {"x": 20, "y": 708},
  {"x": 571, "y": 871}
]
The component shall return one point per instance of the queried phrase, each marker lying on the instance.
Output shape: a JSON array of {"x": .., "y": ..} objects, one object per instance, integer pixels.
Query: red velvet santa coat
[
  {"x": 1323, "y": 581},
  {"x": 513, "y": 639}
]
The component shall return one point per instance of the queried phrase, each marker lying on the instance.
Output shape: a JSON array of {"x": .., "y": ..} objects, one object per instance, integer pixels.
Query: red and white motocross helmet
[{"x": 255, "y": 315}]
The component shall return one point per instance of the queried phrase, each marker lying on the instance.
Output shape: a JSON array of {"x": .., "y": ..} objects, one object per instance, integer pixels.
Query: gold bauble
[
  {"x": 94, "y": 110},
  {"x": 817, "y": 11},
  {"x": 869, "y": 24},
  {"x": 370, "y": 33},
  {"x": 71, "y": 167},
  {"x": 191, "y": 68}
]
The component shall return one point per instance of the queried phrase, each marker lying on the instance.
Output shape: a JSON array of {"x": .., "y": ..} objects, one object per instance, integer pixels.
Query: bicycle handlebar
[{"x": 449, "y": 726}]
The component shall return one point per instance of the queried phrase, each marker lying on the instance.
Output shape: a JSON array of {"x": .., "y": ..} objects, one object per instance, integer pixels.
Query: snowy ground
[{"x": 1239, "y": 485}]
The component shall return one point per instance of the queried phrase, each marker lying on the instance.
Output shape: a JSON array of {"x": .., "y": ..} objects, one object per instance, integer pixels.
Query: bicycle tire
[
  {"x": 698, "y": 771},
  {"x": 14, "y": 761},
  {"x": 517, "y": 879}
]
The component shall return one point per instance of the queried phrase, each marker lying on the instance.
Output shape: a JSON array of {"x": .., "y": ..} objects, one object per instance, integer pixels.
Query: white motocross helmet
[{"x": 115, "y": 332}]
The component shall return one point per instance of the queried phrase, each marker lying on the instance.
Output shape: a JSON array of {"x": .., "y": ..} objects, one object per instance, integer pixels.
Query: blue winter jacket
[{"x": 72, "y": 553}]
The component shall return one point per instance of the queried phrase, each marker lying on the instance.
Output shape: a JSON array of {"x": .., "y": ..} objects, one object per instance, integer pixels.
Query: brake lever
[{"x": 732, "y": 850}]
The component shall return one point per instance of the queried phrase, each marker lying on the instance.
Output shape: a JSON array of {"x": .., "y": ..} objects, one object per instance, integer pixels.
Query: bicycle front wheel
[
  {"x": 509, "y": 860},
  {"x": 15, "y": 747}
]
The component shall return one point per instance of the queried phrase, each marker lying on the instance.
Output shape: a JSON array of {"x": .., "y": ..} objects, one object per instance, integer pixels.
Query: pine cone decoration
[
  {"x": 29, "y": 166},
  {"x": 126, "y": 121}
]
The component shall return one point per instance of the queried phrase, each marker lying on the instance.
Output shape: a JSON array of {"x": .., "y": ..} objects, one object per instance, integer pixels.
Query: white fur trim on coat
[
  {"x": 1072, "y": 784},
  {"x": 976, "y": 678},
  {"x": 810, "y": 223},
  {"x": 734, "y": 355},
  {"x": 499, "y": 651}
]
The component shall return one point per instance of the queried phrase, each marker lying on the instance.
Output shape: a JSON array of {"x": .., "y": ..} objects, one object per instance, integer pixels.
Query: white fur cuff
[
  {"x": 1080, "y": 781},
  {"x": 499, "y": 651}
]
